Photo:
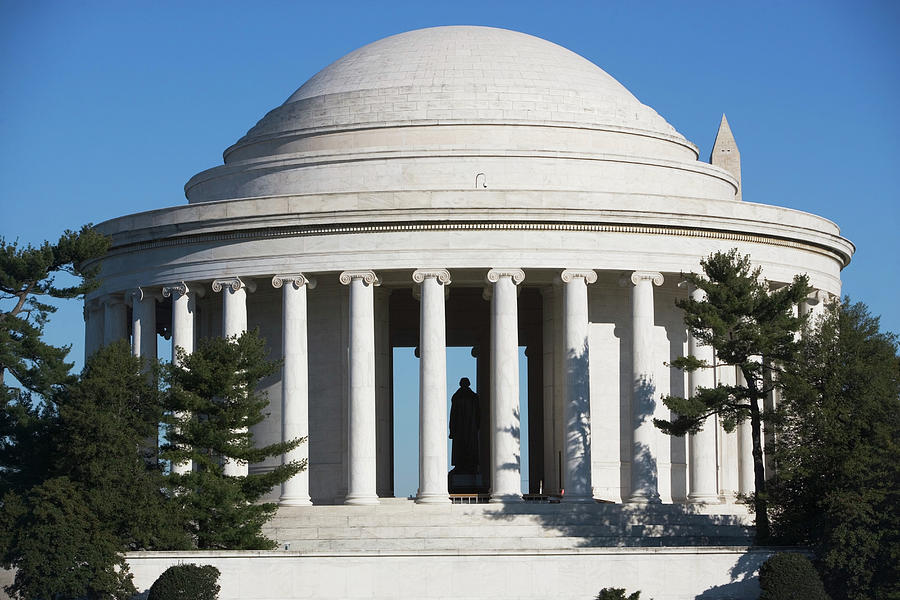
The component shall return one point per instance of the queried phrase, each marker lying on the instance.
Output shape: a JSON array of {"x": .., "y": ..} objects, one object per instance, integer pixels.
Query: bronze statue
[{"x": 464, "y": 423}]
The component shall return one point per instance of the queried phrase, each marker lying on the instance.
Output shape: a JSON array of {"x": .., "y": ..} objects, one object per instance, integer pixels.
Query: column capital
[
  {"x": 368, "y": 277},
  {"x": 112, "y": 299},
  {"x": 297, "y": 280},
  {"x": 654, "y": 276},
  {"x": 494, "y": 275},
  {"x": 817, "y": 297},
  {"x": 568, "y": 275},
  {"x": 442, "y": 275},
  {"x": 181, "y": 288},
  {"x": 235, "y": 283},
  {"x": 139, "y": 294}
]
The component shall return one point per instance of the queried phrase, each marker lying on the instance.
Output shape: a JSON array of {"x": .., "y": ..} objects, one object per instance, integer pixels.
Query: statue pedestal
[{"x": 464, "y": 483}]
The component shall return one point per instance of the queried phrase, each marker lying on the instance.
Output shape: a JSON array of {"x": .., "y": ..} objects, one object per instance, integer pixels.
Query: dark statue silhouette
[{"x": 464, "y": 424}]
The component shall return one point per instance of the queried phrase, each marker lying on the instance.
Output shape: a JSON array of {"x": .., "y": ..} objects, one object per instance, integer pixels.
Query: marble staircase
[{"x": 403, "y": 526}]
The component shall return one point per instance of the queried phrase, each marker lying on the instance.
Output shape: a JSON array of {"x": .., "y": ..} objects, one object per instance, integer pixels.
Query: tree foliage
[
  {"x": 186, "y": 582},
  {"x": 212, "y": 402},
  {"x": 98, "y": 495},
  {"x": 838, "y": 484},
  {"x": 790, "y": 576},
  {"x": 750, "y": 327},
  {"x": 31, "y": 370},
  {"x": 60, "y": 548},
  {"x": 27, "y": 279}
]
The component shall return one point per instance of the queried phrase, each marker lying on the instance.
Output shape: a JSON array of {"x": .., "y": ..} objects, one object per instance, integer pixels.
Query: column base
[
  {"x": 704, "y": 499},
  {"x": 433, "y": 499},
  {"x": 567, "y": 499},
  {"x": 361, "y": 500},
  {"x": 505, "y": 498},
  {"x": 643, "y": 499},
  {"x": 294, "y": 501}
]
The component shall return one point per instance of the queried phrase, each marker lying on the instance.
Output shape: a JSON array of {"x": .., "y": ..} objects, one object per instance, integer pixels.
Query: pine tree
[
  {"x": 751, "y": 328},
  {"x": 31, "y": 369},
  {"x": 212, "y": 403},
  {"x": 59, "y": 547},
  {"x": 837, "y": 489},
  {"x": 66, "y": 535}
]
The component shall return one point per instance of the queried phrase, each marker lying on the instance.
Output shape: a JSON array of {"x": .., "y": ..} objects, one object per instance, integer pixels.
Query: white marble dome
[{"x": 429, "y": 109}]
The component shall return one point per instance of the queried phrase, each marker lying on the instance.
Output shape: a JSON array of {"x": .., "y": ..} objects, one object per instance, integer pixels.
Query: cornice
[{"x": 287, "y": 231}]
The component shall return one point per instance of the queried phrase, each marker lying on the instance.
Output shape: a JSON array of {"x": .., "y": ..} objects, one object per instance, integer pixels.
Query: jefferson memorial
[{"x": 470, "y": 187}]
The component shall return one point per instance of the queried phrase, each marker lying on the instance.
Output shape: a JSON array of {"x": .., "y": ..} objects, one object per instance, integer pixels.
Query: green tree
[
  {"x": 96, "y": 467},
  {"x": 837, "y": 489},
  {"x": 105, "y": 420},
  {"x": 31, "y": 369},
  {"x": 750, "y": 327},
  {"x": 59, "y": 547},
  {"x": 212, "y": 402}
]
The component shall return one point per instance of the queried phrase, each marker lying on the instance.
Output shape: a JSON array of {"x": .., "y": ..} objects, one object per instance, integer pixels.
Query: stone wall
[{"x": 659, "y": 573}]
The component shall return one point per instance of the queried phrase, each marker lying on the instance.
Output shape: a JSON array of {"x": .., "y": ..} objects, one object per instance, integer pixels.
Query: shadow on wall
[
  {"x": 515, "y": 431},
  {"x": 644, "y": 470},
  {"x": 744, "y": 579}
]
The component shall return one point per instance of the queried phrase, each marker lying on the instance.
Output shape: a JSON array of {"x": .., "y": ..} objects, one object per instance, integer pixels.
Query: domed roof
[
  {"x": 429, "y": 110},
  {"x": 459, "y": 74}
]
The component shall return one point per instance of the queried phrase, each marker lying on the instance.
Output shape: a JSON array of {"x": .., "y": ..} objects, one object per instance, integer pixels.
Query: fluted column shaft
[
  {"x": 295, "y": 383},
  {"x": 551, "y": 484},
  {"x": 703, "y": 484},
  {"x": 183, "y": 310},
  {"x": 143, "y": 325},
  {"x": 644, "y": 475},
  {"x": 577, "y": 415},
  {"x": 505, "y": 422},
  {"x": 234, "y": 323},
  {"x": 746, "y": 476},
  {"x": 361, "y": 465},
  {"x": 115, "y": 315},
  {"x": 93, "y": 327},
  {"x": 432, "y": 387}
]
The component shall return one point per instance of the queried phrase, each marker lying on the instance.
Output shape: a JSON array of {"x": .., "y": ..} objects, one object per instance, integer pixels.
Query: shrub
[
  {"x": 790, "y": 576},
  {"x": 186, "y": 582},
  {"x": 616, "y": 594}
]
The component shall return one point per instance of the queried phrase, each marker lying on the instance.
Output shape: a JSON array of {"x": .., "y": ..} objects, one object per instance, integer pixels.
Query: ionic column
[
  {"x": 184, "y": 307},
  {"x": 93, "y": 327},
  {"x": 361, "y": 465},
  {"x": 234, "y": 304},
  {"x": 551, "y": 484},
  {"x": 143, "y": 325},
  {"x": 505, "y": 423},
  {"x": 644, "y": 477},
  {"x": 115, "y": 316},
  {"x": 814, "y": 305},
  {"x": 577, "y": 394},
  {"x": 432, "y": 387},
  {"x": 295, "y": 383},
  {"x": 234, "y": 323},
  {"x": 702, "y": 462},
  {"x": 746, "y": 476}
]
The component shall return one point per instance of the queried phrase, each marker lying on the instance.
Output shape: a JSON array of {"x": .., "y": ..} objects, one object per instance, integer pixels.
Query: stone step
[
  {"x": 505, "y": 530},
  {"x": 406, "y": 526},
  {"x": 480, "y": 544}
]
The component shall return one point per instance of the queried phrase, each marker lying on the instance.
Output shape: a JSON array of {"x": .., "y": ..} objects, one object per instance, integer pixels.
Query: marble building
[{"x": 473, "y": 187}]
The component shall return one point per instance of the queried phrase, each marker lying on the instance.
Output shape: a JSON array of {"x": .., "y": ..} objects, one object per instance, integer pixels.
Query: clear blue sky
[{"x": 109, "y": 107}]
